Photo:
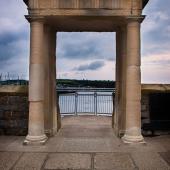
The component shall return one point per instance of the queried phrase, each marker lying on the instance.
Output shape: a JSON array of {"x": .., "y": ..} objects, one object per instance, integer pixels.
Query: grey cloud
[
  {"x": 155, "y": 40},
  {"x": 14, "y": 35},
  {"x": 86, "y": 45},
  {"x": 92, "y": 66}
]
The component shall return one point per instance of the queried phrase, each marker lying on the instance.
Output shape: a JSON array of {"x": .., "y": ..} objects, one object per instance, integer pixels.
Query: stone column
[
  {"x": 133, "y": 83},
  {"x": 36, "y": 84}
]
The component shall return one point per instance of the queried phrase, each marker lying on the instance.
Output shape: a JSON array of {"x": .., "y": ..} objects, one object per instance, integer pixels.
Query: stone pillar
[
  {"x": 133, "y": 83},
  {"x": 56, "y": 115},
  {"x": 57, "y": 101},
  {"x": 36, "y": 84},
  {"x": 119, "y": 117},
  {"x": 117, "y": 110},
  {"x": 123, "y": 81},
  {"x": 50, "y": 82}
]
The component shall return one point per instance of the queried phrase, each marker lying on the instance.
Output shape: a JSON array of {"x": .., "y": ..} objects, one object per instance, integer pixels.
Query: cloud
[
  {"x": 92, "y": 66},
  {"x": 14, "y": 38},
  {"x": 155, "y": 28},
  {"x": 106, "y": 72},
  {"x": 86, "y": 45},
  {"x": 156, "y": 68},
  {"x": 81, "y": 51}
]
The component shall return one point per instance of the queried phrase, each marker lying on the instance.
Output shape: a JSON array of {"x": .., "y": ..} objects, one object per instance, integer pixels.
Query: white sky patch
[
  {"x": 107, "y": 72},
  {"x": 156, "y": 68}
]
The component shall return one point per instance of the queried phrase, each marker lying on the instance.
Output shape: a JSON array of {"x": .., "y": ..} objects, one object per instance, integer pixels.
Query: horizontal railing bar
[{"x": 86, "y": 89}]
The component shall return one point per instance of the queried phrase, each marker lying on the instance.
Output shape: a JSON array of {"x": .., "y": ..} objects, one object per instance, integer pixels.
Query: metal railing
[{"x": 86, "y": 102}]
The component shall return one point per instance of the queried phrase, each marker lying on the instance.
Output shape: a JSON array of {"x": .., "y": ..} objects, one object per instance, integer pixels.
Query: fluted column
[
  {"x": 133, "y": 83},
  {"x": 36, "y": 83}
]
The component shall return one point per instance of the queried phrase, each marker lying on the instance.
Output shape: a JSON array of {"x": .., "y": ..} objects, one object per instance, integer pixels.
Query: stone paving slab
[
  {"x": 88, "y": 145},
  {"x": 149, "y": 161},
  {"x": 30, "y": 161},
  {"x": 166, "y": 156},
  {"x": 67, "y": 161},
  {"x": 5, "y": 141},
  {"x": 8, "y": 159},
  {"x": 75, "y": 131},
  {"x": 113, "y": 161}
]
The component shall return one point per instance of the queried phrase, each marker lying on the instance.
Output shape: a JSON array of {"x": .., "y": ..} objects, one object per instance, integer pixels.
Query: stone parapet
[
  {"x": 14, "y": 106},
  {"x": 13, "y": 110}
]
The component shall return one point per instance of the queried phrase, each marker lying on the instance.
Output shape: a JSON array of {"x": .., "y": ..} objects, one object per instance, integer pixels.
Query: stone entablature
[{"x": 113, "y": 7}]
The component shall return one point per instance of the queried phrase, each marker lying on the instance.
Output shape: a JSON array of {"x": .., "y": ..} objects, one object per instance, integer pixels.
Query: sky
[{"x": 87, "y": 55}]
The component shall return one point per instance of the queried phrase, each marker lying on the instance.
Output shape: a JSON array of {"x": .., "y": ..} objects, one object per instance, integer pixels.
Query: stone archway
[{"x": 48, "y": 17}]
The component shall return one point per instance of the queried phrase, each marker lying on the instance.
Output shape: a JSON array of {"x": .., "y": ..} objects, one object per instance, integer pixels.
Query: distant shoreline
[{"x": 64, "y": 83}]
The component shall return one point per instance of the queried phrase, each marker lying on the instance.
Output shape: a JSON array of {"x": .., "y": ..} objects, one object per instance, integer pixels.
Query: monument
[{"x": 47, "y": 17}]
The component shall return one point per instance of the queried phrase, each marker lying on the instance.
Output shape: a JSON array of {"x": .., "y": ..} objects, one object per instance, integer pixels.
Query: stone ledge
[
  {"x": 149, "y": 88},
  {"x": 22, "y": 89},
  {"x": 145, "y": 88}
]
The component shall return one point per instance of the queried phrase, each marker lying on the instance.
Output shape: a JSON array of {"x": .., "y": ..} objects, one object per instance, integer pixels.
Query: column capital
[
  {"x": 138, "y": 19},
  {"x": 35, "y": 18}
]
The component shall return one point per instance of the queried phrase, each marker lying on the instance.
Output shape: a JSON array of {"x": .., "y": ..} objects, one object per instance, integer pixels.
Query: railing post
[
  {"x": 113, "y": 101},
  {"x": 95, "y": 103},
  {"x": 76, "y": 102}
]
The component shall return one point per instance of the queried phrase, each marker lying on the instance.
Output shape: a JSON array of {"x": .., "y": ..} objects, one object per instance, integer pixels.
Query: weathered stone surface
[
  {"x": 68, "y": 161},
  {"x": 31, "y": 161},
  {"x": 149, "y": 159},
  {"x": 13, "y": 113},
  {"x": 111, "y": 161},
  {"x": 166, "y": 156},
  {"x": 8, "y": 159}
]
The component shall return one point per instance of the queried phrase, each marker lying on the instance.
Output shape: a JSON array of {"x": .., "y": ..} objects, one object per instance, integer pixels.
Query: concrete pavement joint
[
  {"x": 136, "y": 167},
  {"x": 92, "y": 160},
  {"x": 164, "y": 158},
  {"x": 17, "y": 161},
  {"x": 43, "y": 165}
]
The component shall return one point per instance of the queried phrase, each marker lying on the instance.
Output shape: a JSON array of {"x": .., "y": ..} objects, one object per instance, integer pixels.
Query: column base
[
  {"x": 37, "y": 140},
  {"x": 133, "y": 139},
  {"x": 118, "y": 132},
  {"x": 51, "y": 132}
]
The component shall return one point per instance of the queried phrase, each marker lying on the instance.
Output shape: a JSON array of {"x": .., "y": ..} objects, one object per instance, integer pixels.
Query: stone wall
[
  {"x": 145, "y": 108},
  {"x": 14, "y": 107},
  {"x": 13, "y": 110}
]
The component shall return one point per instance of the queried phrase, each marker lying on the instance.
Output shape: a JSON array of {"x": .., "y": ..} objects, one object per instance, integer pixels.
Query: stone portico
[{"x": 47, "y": 17}]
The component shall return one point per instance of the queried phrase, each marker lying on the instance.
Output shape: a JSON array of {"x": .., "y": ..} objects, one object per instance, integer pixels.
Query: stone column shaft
[
  {"x": 133, "y": 83},
  {"x": 36, "y": 84}
]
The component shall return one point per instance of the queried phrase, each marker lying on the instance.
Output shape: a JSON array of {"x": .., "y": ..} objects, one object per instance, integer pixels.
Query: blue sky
[{"x": 87, "y": 55}]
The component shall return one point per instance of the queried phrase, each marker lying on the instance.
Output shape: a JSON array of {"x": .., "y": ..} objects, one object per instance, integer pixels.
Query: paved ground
[{"x": 85, "y": 143}]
